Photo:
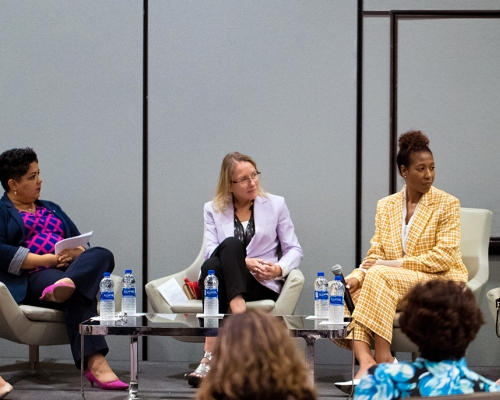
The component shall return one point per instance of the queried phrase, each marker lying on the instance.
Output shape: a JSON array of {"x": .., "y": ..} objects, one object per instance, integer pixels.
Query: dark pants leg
[
  {"x": 228, "y": 262},
  {"x": 86, "y": 272}
]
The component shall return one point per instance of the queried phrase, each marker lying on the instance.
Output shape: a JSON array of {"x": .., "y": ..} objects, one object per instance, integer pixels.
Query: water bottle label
[
  {"x": 107, "y": 296},
  {"x": 320, "y": 295},
  {"x": 128, "y": 292},
  {"x": 211, "y": 293},
  {"x": 336, "y": 301}
]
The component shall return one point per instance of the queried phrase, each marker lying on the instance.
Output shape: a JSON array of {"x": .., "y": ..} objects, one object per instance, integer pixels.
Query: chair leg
[
  {"x": 35, "y": 367},
  {"x": 34, "y": 357}
]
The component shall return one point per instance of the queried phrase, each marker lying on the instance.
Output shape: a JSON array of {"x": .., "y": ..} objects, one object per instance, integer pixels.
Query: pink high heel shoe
[
  {"x": 115, "y": 385},
  {"x": 58, "y": 292}
]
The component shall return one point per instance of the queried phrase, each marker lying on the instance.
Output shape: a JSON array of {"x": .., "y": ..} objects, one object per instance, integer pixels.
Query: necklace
[{"x": 31, "y": 210}]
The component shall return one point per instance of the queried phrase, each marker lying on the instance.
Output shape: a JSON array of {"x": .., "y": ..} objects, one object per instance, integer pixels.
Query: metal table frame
[{"x": 120, "y": 328}]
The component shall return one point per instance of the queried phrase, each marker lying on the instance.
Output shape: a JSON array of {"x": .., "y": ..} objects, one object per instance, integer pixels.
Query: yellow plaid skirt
[{"x": 378, "y": 300}]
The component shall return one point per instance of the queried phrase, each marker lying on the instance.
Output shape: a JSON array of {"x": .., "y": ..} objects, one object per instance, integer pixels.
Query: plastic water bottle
[
  {"x": 107, "y": 305},
  {"x": 336, "y": 312},
  {"x": 211, "y": 300},
  {"x": 128, "y": 293},
  {"x": 321, "y": 296}
]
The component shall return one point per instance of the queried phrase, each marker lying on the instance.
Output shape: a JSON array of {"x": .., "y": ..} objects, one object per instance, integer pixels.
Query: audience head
[
  {"x": 255, "y": 358},
  {"x": 441, "y": 317},
  {"x": 223, "y": 193},
  {"x": 14, "y": 164}
]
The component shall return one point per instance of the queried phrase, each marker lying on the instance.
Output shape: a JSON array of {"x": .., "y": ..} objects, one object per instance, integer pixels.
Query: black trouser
[
  {"x": 228, "y": 262},
  {"x": 86, "y": 271}
]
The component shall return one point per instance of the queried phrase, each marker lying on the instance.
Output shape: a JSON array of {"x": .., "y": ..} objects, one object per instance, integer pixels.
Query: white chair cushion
[
  {"x": 195, "y": 306},
  {"x": 188, "y": 307},
  {"x": 39, "y": 314},
  {"x": 263, "y": 305}
]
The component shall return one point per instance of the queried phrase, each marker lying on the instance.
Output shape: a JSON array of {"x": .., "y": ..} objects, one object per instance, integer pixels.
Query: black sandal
[{"x": 194, "y": 378}]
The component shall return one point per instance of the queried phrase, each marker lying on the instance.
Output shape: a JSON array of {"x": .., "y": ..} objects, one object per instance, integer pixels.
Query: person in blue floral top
[{"x": 441, "y": 317}]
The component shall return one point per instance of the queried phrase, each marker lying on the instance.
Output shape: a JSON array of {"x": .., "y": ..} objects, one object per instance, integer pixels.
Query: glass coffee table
[{"x": 188, "y": 325}]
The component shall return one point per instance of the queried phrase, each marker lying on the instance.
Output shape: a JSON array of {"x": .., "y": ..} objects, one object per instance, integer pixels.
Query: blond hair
[
  {"x": 223, "y": 192},
  {"x": 255, "y": 358}
]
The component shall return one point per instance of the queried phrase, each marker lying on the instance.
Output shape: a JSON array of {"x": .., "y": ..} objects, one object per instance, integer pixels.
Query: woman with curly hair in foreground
[
  {"x": 441, "y": 317},
  {"x": 256, "y": 359}
]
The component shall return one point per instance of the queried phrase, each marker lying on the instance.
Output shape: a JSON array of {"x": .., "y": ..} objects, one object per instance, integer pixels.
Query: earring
[{"x": 15, "y": 192}]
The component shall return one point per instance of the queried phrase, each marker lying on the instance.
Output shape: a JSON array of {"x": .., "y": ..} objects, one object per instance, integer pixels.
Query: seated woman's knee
[
  {"x": 232, "y": 242},
  {"x": 102, "y": 253}
]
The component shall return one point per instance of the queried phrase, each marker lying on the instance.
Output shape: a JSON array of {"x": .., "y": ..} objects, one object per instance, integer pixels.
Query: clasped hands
[
  {"x": 263, "y": 270},
  {"x": 65, "y": 257}
]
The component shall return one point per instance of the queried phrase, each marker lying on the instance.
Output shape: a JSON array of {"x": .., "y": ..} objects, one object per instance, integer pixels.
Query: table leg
[
  {"x": 134, "y": 363},
  {"x": 82, "y": 345},
  {"x": 310, "y": 340},
  {"x": 353, "y": 361}
]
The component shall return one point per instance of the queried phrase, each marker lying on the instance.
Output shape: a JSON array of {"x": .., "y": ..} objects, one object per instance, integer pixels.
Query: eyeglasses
[{"x": 245, "y": 181}]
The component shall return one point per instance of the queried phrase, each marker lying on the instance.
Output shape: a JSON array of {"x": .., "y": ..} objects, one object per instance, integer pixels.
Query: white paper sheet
[
  {"x": 71, "y": 243},
  {"x": 172, "y": 292},
  {"x": 342, "y": 324}
]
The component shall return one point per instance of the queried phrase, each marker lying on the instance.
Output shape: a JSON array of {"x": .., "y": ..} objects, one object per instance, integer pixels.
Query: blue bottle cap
[
  {"x": 338, "y": 278},
  {"x": 211, "y": 272},
  {"x": 321, "y": 274},
  {"x": 107, "y": 274},
  {"x": 128, "y": 271}
]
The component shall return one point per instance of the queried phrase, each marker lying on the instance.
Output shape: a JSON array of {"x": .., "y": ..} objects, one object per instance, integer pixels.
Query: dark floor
[{"x": 156, "y": 381}]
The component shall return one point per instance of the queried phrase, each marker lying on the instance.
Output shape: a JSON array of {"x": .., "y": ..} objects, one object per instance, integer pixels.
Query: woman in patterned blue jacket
[{"x": 441, "y": 317}]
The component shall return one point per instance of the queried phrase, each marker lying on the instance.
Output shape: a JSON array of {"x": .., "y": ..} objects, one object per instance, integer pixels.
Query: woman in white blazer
[{"x": 250, "y": 243}]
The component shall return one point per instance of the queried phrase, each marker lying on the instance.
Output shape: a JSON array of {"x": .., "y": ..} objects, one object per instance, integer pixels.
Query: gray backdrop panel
[
  {"x": 448, "y": 86},
  {"x": 71, "y": 88},
  {"x": 275, "y": 80}
]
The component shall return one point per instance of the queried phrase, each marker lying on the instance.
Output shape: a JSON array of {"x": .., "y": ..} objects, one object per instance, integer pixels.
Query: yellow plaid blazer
[{"x": 433, "y": 242}]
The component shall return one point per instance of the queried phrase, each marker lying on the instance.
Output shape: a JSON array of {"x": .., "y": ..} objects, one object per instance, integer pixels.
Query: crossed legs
[{"x": 79, "y": 304}]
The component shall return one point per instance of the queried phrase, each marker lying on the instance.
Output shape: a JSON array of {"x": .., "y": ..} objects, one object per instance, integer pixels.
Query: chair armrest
[
  {"x": 478, "y": 285},
  {"x": 10, "y": 315},
  {"x": 17, "y": 327},
  {"x": 156, "y": 300},
  {"x": 492, "y": 295}
]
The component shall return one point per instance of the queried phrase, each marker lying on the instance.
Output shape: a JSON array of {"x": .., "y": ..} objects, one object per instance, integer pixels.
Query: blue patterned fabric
[{"x": 422, "y": 378}]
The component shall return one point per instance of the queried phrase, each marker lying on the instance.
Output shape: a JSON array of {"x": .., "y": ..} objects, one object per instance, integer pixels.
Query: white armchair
[
  {"x": 285, "y": 305},
  {"x": 492, "y": 296},
  {"x": 474, "y": 241},
  {"x": 35, "y": 326}
]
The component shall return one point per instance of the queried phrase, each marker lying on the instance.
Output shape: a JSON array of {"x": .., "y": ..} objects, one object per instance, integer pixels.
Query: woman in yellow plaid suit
[{"x": 418, "y": 226}]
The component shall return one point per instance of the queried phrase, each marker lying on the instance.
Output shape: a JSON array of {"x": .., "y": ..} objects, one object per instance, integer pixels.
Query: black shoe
[
  {"x": 347, "y": 386},
  {"x": 194, "y": 378}
]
